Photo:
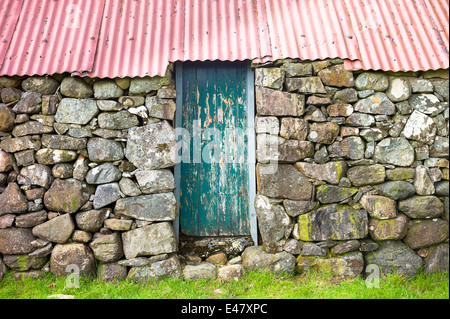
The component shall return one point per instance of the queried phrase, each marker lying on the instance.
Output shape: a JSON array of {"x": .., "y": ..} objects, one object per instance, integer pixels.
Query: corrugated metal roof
[
  {"x": 118, "y": 38},
  {"x": 400, "y": 35},
  {"x": 54, "y": 37},
  {"x": 9, "y": 14}
]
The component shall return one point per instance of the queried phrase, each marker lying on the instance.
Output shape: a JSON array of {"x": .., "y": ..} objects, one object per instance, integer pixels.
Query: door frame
[{"x": 251, "y": 157}]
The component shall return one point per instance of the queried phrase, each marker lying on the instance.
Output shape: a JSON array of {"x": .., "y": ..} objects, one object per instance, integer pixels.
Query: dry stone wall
[
  {"x": 86, "y": 176},
  {"x": 352, "y": 170},
  {"x": 352, "y": 167}
]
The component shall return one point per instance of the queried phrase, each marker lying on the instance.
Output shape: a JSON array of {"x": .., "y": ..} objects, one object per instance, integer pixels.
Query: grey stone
[
  {"x": 118, "y": 224},
  {"x": 111, "y": 271},
  {"x": 255, "y": 258},
  {"x": 311, "y": 249},
  {"x": 372, "y": 81},
  {"x": 323, "y": 133},
  {"x": 441, "y": 88},
  {"x": 13, "y": 201},
  {"x": 278, "y": 103},
  {"x": 379, "y": 207},
  {"x": 396, "y": 189},
  {"x": 160, "y": 108},
  {"x": 24, "y": 158},
  {"x": 49, "y": 104},
  {"x": 394, "y": 150},
  {"x": 366, "y": 175},
  {"x": 230, "y": 273},
  {"x": 42, "y": 84},
  {"x": 153, "y": 207},
  {"x": 360, "y": 119},
  {"x": 58, "y": 229},
  {"x": 102, "y": 174},
  {"x": 349, "y": 95},
  {"x": 6, "y": 161},
  {"x": 421, "y": 86},
  {"x": 76, "y": 87},
  {"x": 272, "y": 220},
  {"x": 297, "y": 69},
  {"x": 351, "y": 147},
  {"x": 9, "y": 95},
  {"x": 427, "y": 104},
  {"x": 423, "y": 182},
  {"x": 37, "y": 174},
  {"x": 442, "y": 188},
  {"x": 394, "y": 256},
  {"x": 16, "y": 241},
  {"x": 91, "y": 220},
  {"x": 29, "y": 103},
  {"x": 48, "y": 156},
  {"x": 440, "y": 147},
  {"x": 201, "y": 271},
  {"x": 424, "y": 233},
  {"x": 387, "y": 229},
  {"x": 337, "y": 75},
  {"x": 24, "y": 262},
  {"x": 110, "y": 105},
  {"x": 348, "y": 265},
  {"x": 63, "y": 142},
  {"x": 295, "y": 207},
  {"x": 31, "y": 219},
  {"x": 335, "y": 110},
  {"x": 269, "y": 125},
  {"x": 420, "y": 127},
  {"x": 399, "y": 90},
  {"x": 373, "y": 134},
  {"x": 421, "y": 207},
  {"x": 377, "y": 103},
  {"x": 66, "y": 196},
  {"x": 7, "y": 81},
  {"x": 31, "y": 128},
  {"x": 437, "y": 260},
  {"x": 158, "y": 150},
  {"x": 336, "y": 222},
  {"x": 154, "y": 239},
  {"x": 76, "y": 111},
  {"x": 7, "y": 118},
  {"x": 77, "y": 254},
  {"x": 283, "y": 181},
  {"x": 170, "y": 267},
  {"x": 106, "y": 194},
  {"x": 155, "y": 181},
  {"x": 292, "y": 128},
  {"x": 345, "y": 247},
  {"x": 144, "y": 85},
  {"x": 104, "y": 150},
  {"x": 327, "y": 194},
  {"x": 129, "y": 188},
  {"x": 107, "y": 89},
  {"x": 107, "y": 248},
  {"x": 117, "y": 121},
  {"x": 270, "y": 77},
  {"x": 309, "y": 85},
  {"x": 7, "y": 221},
  {"x": 62, "y": 171}
]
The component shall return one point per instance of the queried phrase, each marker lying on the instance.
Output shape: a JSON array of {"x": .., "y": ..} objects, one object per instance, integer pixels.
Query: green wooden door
[{"x": 214, "y": 190}]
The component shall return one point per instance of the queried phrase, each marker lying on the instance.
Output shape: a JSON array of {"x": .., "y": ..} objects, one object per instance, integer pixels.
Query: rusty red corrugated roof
[
  {"x": 118, "y": 38},
  {"x": 54, "y": 37},
  {"x": 400, "y": 35},
  {"x": 9, "y": 14}
]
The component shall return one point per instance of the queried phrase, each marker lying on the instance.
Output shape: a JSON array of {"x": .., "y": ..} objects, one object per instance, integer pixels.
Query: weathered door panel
[{"x": 214, "y": 199}]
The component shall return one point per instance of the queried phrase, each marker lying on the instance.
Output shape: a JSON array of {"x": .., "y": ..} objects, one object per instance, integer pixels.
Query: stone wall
[
  {"x": 353, "y": 167},
  {"x": 86, "y": 175}
]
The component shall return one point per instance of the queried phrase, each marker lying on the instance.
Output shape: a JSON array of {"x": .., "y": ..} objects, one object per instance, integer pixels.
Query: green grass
[{"x": 254, "y": 285}]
